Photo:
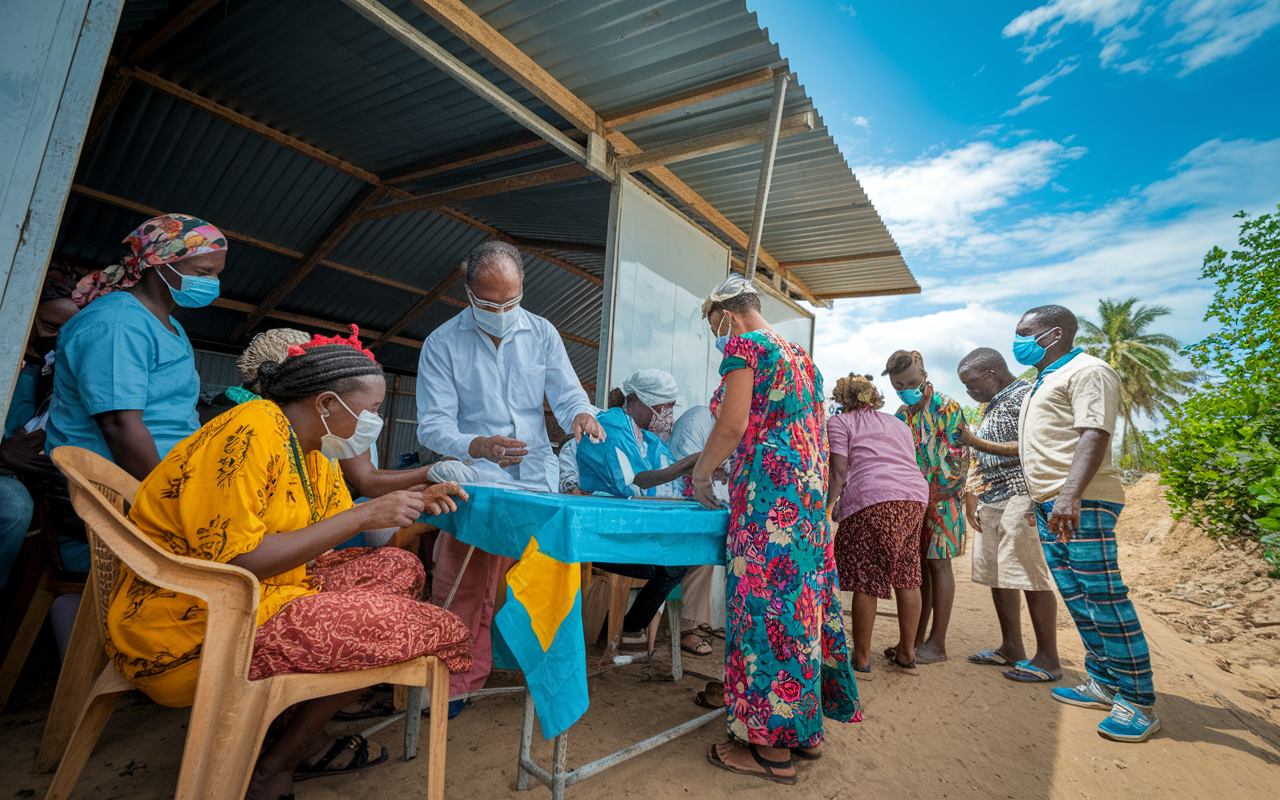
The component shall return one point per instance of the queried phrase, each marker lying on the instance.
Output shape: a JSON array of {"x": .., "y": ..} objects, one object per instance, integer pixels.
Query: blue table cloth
[{"x": 539, "y": 629}]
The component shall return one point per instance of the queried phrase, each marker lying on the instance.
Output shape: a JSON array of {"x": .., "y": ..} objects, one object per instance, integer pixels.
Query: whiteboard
[{"x": 663, "y": 268}]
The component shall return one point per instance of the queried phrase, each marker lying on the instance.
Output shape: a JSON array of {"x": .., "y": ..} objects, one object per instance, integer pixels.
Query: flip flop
[
  {"x": 909, "y": 669},
  {"x": 359, "y": 762},
  {"x": 807, "y": 753},
  {"x": 992, "y": 657},
  {"x": 704, "y": 644},
  {"x": 713, "y": 756},
  {"x": 1026, "y": 672},
  {"x": 862, "y": 674}
]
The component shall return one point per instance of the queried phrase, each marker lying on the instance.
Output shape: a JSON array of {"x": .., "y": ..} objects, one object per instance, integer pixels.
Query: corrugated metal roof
[{"x": 332, "y": 80}]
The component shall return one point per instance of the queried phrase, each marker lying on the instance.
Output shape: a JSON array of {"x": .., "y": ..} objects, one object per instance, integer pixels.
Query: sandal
[
  {"x": 862, "y": 675},
  {"x": 372, "y": 704},
  {"x": 705, "y": 697},
  {"x": 359, "y": 761},
  {"x": 703, "y": 647},
  {"x": 1026, "y": 672},
  {"x": 713, "y": 756},
  {"x": 910, "y": 669},
  {"x": 807, "y": 753},
  {"x": 992, "y": 657}
]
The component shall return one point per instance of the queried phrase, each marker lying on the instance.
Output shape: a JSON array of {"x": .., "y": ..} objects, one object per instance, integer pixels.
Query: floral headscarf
[{"x": 161, "y": 240}]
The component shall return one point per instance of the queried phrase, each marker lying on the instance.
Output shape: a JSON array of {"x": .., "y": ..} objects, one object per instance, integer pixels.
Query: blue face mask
[
  {"x": 721, "y": 343},
  {"x": 196, "y": 291},
  {"x": 912, "y": 396},
  {"x": 1027, "y": 350}
]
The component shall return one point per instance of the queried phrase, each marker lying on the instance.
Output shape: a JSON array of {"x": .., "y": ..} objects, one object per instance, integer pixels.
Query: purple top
[{"x": 882, "y": 460}]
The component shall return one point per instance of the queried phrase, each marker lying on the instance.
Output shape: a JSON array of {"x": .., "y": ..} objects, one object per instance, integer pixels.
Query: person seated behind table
[
  {"x": 634, "y": 462},
  {"x": 254, "y": 487},
  {"x": 568, "y": 455}
]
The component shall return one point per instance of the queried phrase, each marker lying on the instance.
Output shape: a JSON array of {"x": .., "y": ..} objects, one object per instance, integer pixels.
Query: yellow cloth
[{"x": 216, "y": 494}]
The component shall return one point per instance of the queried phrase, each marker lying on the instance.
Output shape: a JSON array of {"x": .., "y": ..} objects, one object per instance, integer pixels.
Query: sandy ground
[{"x": 953, "y": 731}]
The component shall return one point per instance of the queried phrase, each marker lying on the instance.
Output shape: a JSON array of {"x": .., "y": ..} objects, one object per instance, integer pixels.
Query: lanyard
[{"x": 303, "y": 476}]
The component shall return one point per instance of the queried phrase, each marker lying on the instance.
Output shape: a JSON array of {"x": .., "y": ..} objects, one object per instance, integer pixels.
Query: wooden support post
[{"x": 338, "y": 229}]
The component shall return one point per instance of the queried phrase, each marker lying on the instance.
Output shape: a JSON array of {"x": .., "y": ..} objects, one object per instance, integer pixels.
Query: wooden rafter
[
  {"x": 120, "y": 80},
  {"x": 873, "y": 293},
  {"x": 337, "y": 230},
  {"x": 312, "y": 322},
  {"x": 817, "y": 262},
  {"x": 691, "y": 97},
  {"x": 467, "y": 156},
  {"x": 713, "y": 143},
  {"x": 418, "y": 308},
  {"x": 120, "y": 202},
  {"x": 471, "y": 28},
  {"x": 430, "y": 202}
]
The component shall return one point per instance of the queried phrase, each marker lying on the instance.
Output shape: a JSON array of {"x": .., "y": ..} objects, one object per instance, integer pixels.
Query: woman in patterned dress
[
  {"x": 255, "y": 487},
  {"x": 786, "y": 661}
]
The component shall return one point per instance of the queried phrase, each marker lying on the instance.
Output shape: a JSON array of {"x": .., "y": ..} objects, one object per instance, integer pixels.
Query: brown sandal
[{"x": 768, "y": 766}]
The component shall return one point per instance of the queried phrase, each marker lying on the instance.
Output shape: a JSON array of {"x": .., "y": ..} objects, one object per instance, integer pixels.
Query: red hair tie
[{"x": 352, "y": 341}]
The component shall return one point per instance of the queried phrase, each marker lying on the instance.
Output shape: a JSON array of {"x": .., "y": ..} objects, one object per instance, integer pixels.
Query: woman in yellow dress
[{"x": 256, "y": 488}]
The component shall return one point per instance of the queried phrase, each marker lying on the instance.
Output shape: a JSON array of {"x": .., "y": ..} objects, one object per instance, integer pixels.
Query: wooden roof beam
[
  {"x": 311, "y": 322},
  {"x": 711, "y": 91},
  {"x": 817, "y": 262},
  {"x": 430, "y": 202},
  {"x": 713, "y": 143},
  {"x": 501, "y": 147}
]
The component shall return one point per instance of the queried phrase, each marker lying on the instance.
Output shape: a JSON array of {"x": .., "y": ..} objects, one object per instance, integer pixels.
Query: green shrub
[{"x": 1220, "y": 452}]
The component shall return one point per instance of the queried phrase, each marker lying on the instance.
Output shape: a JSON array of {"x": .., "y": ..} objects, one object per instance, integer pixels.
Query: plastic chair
[{"x": 230, "y": 715}]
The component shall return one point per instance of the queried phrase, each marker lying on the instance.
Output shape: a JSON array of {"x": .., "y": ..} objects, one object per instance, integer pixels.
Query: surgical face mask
[
  {"x": 662, "y": 422},
  {"x": 495, "y": 319},
  {"x": 1027, "y": 350},
  {"x": 195, "y": 292},
  {"x": 368, "y": 426},
  {"x": 913, "y": 396},
  {"x": 722, "y": 340}
]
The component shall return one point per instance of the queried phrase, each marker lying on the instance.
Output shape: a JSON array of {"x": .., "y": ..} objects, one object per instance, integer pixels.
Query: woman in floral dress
[{"x": 786, "y": 661}]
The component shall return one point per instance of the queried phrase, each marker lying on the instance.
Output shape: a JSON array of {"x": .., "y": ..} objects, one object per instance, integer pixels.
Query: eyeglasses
[{"x": 485, "y": 305}]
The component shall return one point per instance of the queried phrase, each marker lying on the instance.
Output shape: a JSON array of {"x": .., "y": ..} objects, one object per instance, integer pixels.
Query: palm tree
[{"x": 1150, "y": 381}]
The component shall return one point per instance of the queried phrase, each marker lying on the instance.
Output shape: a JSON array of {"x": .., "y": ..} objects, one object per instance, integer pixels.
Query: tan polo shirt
[{"x": 1083, "y": 393}]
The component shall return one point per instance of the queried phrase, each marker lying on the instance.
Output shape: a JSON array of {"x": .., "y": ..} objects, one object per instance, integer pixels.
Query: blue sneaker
[
  {"x": 1086, "y": 695},
  {"x": 1129, "y": 723}
]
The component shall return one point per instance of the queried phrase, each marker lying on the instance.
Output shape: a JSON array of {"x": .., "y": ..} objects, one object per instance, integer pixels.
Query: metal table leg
[
  {"x": 526, "y": 741},
  {"x": 559, "y": 774}
]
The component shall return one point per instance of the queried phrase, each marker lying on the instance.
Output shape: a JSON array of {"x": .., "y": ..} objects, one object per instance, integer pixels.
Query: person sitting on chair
[{"x": 255, "y": 488}]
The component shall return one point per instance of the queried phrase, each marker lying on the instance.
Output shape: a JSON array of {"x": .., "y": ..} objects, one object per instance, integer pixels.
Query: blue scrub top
[
  {"x": 611, "y": 466},
  {"x": 115, "y": 356},
  {"x": 23, "y": 405}
]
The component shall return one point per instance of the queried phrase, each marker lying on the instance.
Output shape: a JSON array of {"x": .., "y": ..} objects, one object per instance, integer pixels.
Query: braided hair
[
  {"x": 334, "y": 368},
  {"x": 855, "y": 392}
]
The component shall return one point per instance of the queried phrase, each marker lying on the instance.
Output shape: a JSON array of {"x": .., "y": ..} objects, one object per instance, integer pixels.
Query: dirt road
[{"x": 953, "y": 731}]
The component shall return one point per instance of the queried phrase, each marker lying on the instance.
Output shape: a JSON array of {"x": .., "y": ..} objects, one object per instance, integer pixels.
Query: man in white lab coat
[{"x": 482, "y": 378}]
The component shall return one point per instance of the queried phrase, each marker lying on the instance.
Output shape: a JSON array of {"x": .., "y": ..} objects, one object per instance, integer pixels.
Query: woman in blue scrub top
[{"x": 125, "y": 381}]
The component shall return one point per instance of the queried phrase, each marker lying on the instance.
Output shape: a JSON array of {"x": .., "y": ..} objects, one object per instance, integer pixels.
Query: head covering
[
  {"x": 731, "y": 286},
  {"x": 352, "y": 341},
  {"x": 160, "y": 240},
  {"x": 59, "y": 281},
  {"x": 654, "y": 387},
  {"x": 271, "y": 345}
]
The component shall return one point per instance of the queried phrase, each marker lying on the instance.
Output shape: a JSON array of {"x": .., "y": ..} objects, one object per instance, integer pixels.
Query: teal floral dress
[{"x": 786, "y": 661}]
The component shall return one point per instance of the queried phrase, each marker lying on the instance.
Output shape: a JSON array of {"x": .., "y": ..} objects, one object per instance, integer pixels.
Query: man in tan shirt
[{"x": 1064, "y": 440}]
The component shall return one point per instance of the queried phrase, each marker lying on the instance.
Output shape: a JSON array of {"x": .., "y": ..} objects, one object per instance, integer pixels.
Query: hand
[
  {"x": 501, "y": 450},
  {"x": 395, "y": 510},
  {"x": 586, "y": 424},
  {"x": 703, "y": 493},
  {"x": 439, "y": 498},
  {"x": 971, "y": 512},
  {"x": 1064, "y": 520},
  {"x": 578, "y": 491}
]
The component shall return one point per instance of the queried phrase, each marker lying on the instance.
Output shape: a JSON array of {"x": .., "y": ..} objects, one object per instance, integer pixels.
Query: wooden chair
[{"x": 231, "y": 714}]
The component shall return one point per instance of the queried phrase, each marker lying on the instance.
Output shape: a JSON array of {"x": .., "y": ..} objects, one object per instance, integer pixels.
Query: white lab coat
[{"x": 467, "y": 387}]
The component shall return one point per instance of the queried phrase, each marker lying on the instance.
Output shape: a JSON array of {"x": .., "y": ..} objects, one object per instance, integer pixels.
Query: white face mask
[
  {"x": 494, "y": 319},
  {"x": 368, "y": 426}
]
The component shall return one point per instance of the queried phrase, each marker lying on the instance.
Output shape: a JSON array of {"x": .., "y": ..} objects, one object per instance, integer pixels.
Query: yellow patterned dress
[{"x": 215, "y": 496}]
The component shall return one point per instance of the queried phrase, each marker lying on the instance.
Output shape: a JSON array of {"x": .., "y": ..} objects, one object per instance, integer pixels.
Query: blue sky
[{"x": 1024, "y": 153}]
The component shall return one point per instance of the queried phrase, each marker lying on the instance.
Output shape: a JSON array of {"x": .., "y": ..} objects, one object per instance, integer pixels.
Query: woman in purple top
[{"x": 878, "y": 497}]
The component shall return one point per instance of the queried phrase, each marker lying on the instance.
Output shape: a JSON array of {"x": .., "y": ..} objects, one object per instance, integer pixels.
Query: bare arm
[
  {"x": 990, "y": 448},
  {"x": 372, "y": 482},
  {"x": 1064, "y": 520},
  {"x": 656, "y": 477},
  {"x": 839, "y": 469},
  {"x": 727, "y": 434},
  {"x": 280, "y": 552},
  {"x": 130, "y": 442}
]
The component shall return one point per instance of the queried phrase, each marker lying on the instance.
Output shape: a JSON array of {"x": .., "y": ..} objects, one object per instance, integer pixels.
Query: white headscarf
[
  {"x": 731, "y": 286},
  {"x": 654, "y": 387}
]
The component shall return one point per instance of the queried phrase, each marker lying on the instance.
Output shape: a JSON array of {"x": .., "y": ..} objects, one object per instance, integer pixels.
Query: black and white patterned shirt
[{"x": 1001, "y": 476}]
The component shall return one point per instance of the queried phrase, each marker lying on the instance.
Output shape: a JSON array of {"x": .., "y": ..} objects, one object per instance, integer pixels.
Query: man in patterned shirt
[
  {"x": 1006, "y": 552},
  {"x": 936, "y": 422}
]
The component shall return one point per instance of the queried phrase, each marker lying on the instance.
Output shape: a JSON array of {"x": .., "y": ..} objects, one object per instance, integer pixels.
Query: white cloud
[
  {"x": 1065, "y": 67},
  {"x": 1216, "y": 29},
  {"x": 934, "y": 201},
  {"x": 1198, "y": 32},
  {"x": 850, "y": 10},
  {"x": 1028, "y": 102},
  {"x": 861, "y": 122}
]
